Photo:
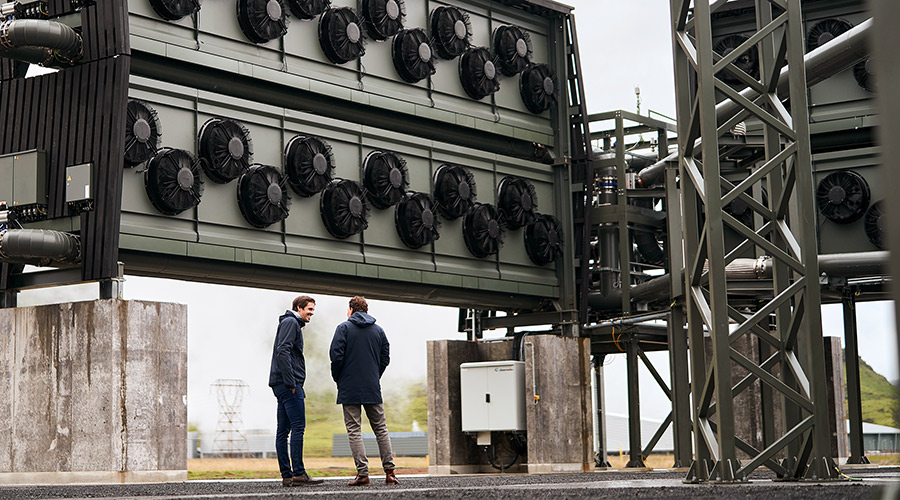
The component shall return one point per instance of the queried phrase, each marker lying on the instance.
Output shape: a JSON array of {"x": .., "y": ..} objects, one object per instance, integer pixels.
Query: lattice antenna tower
[{"x": 230, "y": 440}]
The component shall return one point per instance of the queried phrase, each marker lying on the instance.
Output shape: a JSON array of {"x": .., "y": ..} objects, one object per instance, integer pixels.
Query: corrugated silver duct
[
  {"x": 39, "y": 247},
  {"x": 39, "y": 41}
]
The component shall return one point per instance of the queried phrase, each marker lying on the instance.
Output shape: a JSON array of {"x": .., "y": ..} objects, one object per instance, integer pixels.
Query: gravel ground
[{"x": 880, "y": 483}]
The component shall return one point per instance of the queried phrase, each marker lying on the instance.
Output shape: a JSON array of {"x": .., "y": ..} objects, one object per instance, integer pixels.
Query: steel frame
[{"x": 786, "y": 232}]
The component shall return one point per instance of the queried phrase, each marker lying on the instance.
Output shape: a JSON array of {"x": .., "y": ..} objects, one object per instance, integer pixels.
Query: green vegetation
[{"x": 880, "y": 399}]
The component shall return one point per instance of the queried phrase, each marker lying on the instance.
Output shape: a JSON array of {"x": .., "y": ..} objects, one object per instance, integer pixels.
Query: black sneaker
[{"x": 304, "y": 480}]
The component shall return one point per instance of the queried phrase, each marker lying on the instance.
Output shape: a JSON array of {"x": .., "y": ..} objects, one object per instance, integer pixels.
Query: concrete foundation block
[{"x": 93, "y": 392}]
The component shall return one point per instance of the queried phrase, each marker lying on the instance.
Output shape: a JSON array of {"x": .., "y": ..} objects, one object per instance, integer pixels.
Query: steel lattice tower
[{"x": 230, "y": 440}]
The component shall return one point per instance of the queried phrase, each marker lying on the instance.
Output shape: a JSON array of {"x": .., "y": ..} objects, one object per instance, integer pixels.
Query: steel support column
[
  {"x": 786, "y": 232},
  {"x": 634, "y": 403},
  {"x": 854, "y": 400},
  {"x": 602, "y": 460}
]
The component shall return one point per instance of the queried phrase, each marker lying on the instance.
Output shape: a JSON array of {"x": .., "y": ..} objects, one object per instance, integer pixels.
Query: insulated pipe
[
  {"x": 39, "y": 247},
  {"x": 49, "y": 41},
  {"x": 822, "y": 63}
]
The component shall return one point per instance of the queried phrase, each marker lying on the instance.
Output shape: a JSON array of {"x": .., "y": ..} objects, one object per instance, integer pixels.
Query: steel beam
[{"x": 854, "y": 399}]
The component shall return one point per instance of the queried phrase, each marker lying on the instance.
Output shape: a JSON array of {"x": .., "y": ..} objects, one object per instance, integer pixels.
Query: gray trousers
[{"x": 353, "y": 421}]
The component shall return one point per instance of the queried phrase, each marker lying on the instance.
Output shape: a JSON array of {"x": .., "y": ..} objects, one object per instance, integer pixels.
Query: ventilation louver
[
  {"x": 262, "y": 20},
  {"x": 748, "y": 62},
  {"x": 843, "y": 196},
  {"x": 478, "y": 73},
  {"x": 308, "y": 9},
  {"x": 537, "y": 86},
  {"x": 225, "y": 149},
  {"x": 344, "y": 209},
  {"x": 173, "y": 181},
  {"x": 173, "y": 10},
  {"x": 875, "y": 223},
  {"x": 454, "y": 191},
  {"x": 483, "y": 231},
  {"x": 309, "y": 164},
  {"x": 512, "y": 47},
  {"x": 263, "y": 196},
  {"x": 385, "y": 178},
  {"x": 416, "y": 220},
  {"x": 862, "y": 72},
  {"x": 451, "y": 32},
  {"x": 142, "y": 133},
  {"x": 517, "y": 202},
  {"x": 825, "y": 31},
  {"x": 383, "y": 18},
  {"x": 341, "y": 35},
  {"x": 543, "y": 239},
  {"x": 412, "y": 55}
]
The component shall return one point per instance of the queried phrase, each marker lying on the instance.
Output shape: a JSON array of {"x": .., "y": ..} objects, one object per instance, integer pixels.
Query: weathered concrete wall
[
  {"x": 559, "y": 426},
  {"x": 93, "y": 391}
]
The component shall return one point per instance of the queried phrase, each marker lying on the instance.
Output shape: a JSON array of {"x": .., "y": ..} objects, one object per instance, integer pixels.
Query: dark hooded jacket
[
  {"x": 359, "y": 354},
  {"x": 288, "y": 365}
]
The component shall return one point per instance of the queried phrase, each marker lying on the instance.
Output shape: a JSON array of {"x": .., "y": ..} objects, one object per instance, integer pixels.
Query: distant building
[{"x": 878, "y": 438}]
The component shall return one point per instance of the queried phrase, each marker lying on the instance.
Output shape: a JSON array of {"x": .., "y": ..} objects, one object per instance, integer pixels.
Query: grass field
[{"x": 266, "y": 468}]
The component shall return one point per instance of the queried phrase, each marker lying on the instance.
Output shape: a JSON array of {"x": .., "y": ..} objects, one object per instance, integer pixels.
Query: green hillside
[{"x": 880, "y": 399}]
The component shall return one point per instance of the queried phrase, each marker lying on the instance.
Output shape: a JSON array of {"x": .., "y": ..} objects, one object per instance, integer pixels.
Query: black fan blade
[
  {"x": 478, "y": 73},
  {"x": 513, "y": 49},
  {"x": 748, "y": 61},
  {"x": 225, "y": 149},
  {"x": 413, "y": 55},
  {"x": 173, "y": 10},
  {"x": 537, "y": 87},
  {"x": 875, "y": 223},
  {"x": 454, "y": 191},
  {"x": 383, "y": 18},
  {"x": 543, "y": 240},
  {"x": 483, "y": 230},
  {"x": 173, "y": 182},
  {"x": 843, "y": 196},
  {"x": 451, "y": 32},
  {"x": 261, "y": 196},
  {"x": 308, "y": 9},
  {"x": 385, "y": 178},
  {"x": 825, "y": 31},
  {"x": 341, "y": 35},
  {"x": 142, "y": 133},
  {"x": 309, "y": 163},
  {"x": 517, "y": 202},
  {"x": 262, "y": 20}
]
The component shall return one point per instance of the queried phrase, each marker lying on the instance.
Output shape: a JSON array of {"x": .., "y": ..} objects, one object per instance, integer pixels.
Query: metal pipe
[
  {"x": 40, "y": 41},
  {"x": 39, "y": 247},
  {"x": 855, "y": 264}
]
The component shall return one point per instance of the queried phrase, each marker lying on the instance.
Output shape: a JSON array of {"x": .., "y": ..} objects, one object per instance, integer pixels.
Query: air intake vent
[
  {"x": 225, "y": 149},
  {"x": 173, "y": 181},
  {"x": 173, "y": 10},
  {"x": 451, "y": 32},
  {"x": 483, "y": 230},
  {"x": 478, "y": 73},
  {"x": 309, "y": 164},
  {"x": 308, "y": 9},
  {"x": 517, "y": 202},
  {"x": 262, "y": 20},
  {"x": 416, "y": 220},
  {"x": 537, "y": 86},
  {"x": 341, "y": 35},
  {"x": 383, "y": 18},
  {"x": 263, "y": 196},
  {"x": 412, "y": 55},
  {"x": 142, "y": 133},
  {"x": 843, "y": 196},
  {"x": 875, "y": 223},
  {"x": 825, "y": 31},
  {"x": 543, "y": 239},
  {"x": 385, "y": 177},
  {"x": 454, "y": 191},
  {"x": 344, "y": 209},
  {"x": 748, "y": 62},
  {"x": 512, "y": 47}
]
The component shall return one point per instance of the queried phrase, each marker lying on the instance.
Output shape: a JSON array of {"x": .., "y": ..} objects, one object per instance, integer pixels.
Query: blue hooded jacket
[
  {"x": 288, "y": 364},
  {"x": 359, "y": 354}
]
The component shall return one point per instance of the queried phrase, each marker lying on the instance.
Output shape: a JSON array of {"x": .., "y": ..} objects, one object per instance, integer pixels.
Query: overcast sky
[{"x": 623, "y": 44}]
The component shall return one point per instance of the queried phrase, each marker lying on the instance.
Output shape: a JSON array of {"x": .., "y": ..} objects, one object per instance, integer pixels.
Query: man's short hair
[
  {"x": 301, "y": 301},
  {"x": 359, "y": 304}
]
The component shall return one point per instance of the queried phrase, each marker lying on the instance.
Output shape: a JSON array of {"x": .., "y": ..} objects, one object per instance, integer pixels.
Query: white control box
[{"x": 493, "y": 396}]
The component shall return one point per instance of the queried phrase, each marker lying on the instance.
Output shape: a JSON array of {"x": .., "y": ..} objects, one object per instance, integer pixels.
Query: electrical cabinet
[
  {"x": 23, "y": 178},
  {"x": 493, "y": 396}
]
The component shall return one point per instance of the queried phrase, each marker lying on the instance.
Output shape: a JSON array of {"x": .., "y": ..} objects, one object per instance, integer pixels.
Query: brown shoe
[
  {"x": 305, "y": 480},
  {"x": 359, "y": 481},
  {"x": 286, "y": 481},
  {"x": 389, "y": 477}
]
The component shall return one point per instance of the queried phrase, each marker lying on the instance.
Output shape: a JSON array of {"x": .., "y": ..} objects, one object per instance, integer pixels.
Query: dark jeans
[{"x": 291, "y": 419}]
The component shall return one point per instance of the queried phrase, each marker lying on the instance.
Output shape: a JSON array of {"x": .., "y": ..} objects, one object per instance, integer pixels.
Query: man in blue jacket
[
  {"x": 359, "y": 354},
  {"x": 286, "y": 376}
]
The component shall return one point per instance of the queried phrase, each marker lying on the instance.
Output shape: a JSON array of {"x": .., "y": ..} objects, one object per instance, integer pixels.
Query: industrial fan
[
  {"x": 843, "y": 196},
  {"x": 344, "y": 210},
  {"x": 454, "y": 191},
  {"x": 308, "y": 9},
  {"x": 862, "y": 72},
  {"x": 383, "y": 18},
  {"x": 748, "y": 62},
  {"x": 263, "y": 196},
  {"x": 142, "y": 133},
  {"x": 309, "y": 164},
  {"x": 341, "y": 35},
  {"x": 416, "y": 220},
  {"x": 385, "y": 178},
  {"x": 225, "y": 149},
  {"x": 516, "y": 201},
  {"x": 412, "y": 55},
  {"x": 483, "y": 230},
  {"x": 451, "y": 32},
  {"x": 478, "y": 73},
  {"x": 173, "y": 10},
  {"x": 537, "y": 86},
  {"x": 543, "y": 239},
  {"x": 512, "y": 47},
  {"x": 825, "y": 31},
  {"x": 875, "y": 223},
  {"x": 262, "y": 20},
  {"x": 173, "y": 181}
]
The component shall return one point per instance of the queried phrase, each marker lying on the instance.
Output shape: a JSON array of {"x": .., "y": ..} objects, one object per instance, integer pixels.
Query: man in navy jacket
[
  {"x": 286, "y": 376},
  {"x": 359, "y": 354}
]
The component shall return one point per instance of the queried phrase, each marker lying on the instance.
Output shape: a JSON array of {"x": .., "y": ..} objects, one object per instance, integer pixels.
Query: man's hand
[{"x": 293, "y": 391}]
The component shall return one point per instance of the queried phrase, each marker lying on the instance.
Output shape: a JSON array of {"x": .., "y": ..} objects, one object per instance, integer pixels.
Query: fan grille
[
  {"x": 543, "y": 239},
  {"x": 483, "y": 230},
  {"x": 451, "y": 32},
  {"x": 748, "y": 62},
  {"x": 517, "y": 201},
  {"x": 309, "y": 163},
  {"x": 454, "y": 191},
  {"x": 537, "y": 87},
  {"x": 843, "y": 196},
  {"x": 513, "y": 49},
  {"x": 385, "y": 177},
  {"x": 416, "y": 220},
  {"x": 173, "y": 181},
  {"x": 262, "y": 20},
  {"x": 875, "y": 224},
  {"x": 173, "y": 10},
  {"x": 142, "y": 133},
  {"x": 225, "y": 149},
  {"x": 478, "y": 73},
  {"x": 263, "y": 196},
  {"x": 413, "y": 55},
  {"x": 383, "y": 18},
  {"x": 341, "y": 35},
  {"x": 825, "y": 31},
  {"x": 343, "y": 207}
]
